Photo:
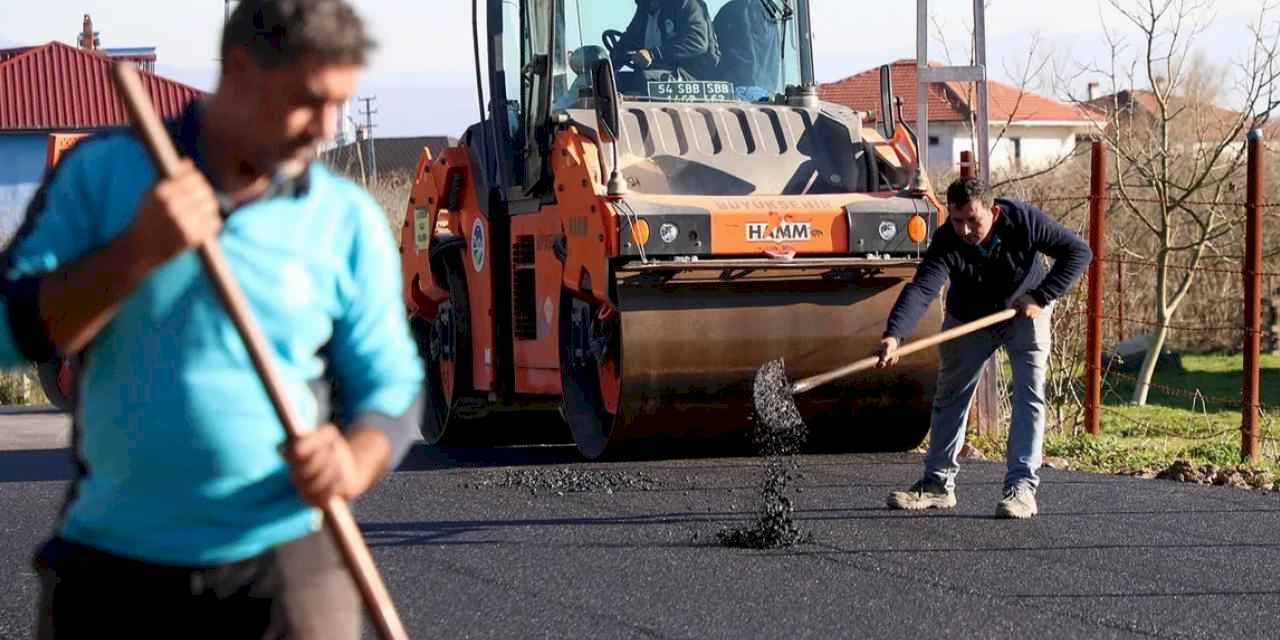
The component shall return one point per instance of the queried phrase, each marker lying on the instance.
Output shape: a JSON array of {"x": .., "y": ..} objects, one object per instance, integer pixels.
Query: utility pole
[{"x": 368, "y": 136}]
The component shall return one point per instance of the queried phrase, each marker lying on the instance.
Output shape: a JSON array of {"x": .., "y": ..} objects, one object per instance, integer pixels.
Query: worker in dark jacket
[
  {"x": 671, "y": 35},
  {"x": 750, "y": 47},
  {"x": 991, "y": 253}
]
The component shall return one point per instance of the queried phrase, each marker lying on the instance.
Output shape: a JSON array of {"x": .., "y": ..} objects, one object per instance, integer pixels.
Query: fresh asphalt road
[{"x": 465, "y": 556}]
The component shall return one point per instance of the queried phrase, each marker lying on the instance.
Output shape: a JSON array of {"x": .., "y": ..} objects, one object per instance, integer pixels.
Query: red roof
[
  {"x": 1200, "y": 120},
  {"x": 1271, "y": 131},
  {"x": 56, "y": 86},
  {"x": 947, "y": 102},
  {"x": 861, "y": 92},
  {"x": 5, "y": 54}
]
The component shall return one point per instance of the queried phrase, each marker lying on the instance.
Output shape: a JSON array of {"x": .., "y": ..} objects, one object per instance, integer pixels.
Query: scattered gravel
[{"x": 568, "y": 480}]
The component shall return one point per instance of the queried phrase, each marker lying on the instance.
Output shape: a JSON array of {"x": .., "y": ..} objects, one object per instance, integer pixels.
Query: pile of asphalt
[
  {"x": 779, "y": 434},
  {"x": 566, "y": 480}
]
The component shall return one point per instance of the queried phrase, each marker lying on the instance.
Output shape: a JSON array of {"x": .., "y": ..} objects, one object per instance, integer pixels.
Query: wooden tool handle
[
  {"x": 337, "y": 513},
  {"x": 868, "y": 362}
]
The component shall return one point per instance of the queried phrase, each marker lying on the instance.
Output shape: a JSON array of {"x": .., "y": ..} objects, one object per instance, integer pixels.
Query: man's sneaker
[
  {"x": 1018, "y": 502},
  {"x": 924, "y": 494}
]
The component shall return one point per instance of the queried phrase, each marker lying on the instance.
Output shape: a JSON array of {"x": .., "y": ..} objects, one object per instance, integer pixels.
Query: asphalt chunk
[{"x": 779, "y": 429}]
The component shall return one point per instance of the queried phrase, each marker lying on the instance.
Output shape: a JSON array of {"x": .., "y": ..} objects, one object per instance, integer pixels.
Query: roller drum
[{"x": 691, "y": 343}]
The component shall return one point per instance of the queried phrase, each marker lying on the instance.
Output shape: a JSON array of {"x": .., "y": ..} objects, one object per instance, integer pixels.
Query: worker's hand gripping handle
[
  {"x": 806, "y": 384},
  {"x": 342, "y": 524}
]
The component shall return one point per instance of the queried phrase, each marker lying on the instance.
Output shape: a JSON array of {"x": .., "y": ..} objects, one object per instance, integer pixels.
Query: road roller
[{"x": 653, "y": 203}]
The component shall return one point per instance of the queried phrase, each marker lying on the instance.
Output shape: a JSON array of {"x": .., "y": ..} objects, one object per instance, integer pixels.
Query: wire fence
[
  {"x": 1220, "y": 204},
  {"x": 1140, "y": 262},
  {"x": 1220, "y": 319}
]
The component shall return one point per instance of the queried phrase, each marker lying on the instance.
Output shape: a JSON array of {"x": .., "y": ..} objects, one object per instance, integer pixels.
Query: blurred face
[
  {"x": 284, "y": 113},
  {"x": 972, "y": 222}
]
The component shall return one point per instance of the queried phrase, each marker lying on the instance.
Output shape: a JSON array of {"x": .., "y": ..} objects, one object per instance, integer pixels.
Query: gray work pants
[{"x": 1027, "y": 343}]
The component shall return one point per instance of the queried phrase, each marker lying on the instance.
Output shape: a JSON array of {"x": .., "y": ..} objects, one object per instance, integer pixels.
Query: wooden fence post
[{"x": 984, "y": 413}]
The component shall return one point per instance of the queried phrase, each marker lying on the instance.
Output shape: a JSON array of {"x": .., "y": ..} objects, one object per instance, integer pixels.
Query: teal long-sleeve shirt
[{"x": 177, "y": 432}]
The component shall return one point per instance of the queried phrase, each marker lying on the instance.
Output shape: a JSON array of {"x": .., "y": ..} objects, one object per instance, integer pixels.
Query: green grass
[{"x": 1202, "y": 429}]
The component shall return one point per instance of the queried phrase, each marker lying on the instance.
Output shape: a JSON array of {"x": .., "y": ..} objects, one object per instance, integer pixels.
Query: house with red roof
[
  {"x": 57, "y": 88},
  {"x": 1194, "y": 123},
  {"x": 1028, "y": 131}
]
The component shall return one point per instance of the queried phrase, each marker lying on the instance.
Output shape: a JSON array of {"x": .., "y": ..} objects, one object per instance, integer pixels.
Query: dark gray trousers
[{"x": 300, "y": 589}]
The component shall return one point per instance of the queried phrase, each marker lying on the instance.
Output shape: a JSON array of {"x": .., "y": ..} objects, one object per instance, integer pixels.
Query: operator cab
[
  {"x": 683, "y": 50},
  {"x": 718, "y": 98}
]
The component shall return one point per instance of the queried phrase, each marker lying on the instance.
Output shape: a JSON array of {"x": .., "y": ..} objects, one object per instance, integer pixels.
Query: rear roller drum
[
  {"x": 589, "y": 358},
  {"x": 444, "y": 343}
]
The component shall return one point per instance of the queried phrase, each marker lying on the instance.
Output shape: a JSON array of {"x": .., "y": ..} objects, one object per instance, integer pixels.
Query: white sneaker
[
  {"x": 924, "y": 494},
  {"x": 1018, "y": 502}
]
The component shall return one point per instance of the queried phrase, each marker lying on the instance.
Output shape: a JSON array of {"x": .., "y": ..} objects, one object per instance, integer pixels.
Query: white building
[{"x": 1027, "y": 131}]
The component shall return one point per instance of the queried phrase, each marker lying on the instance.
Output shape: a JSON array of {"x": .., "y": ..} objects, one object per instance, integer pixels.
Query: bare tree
[
  {"x": 1025, "y": 74},
  {"x": 1178, "y": 157},
  {"x": 1046, "y": 180}
]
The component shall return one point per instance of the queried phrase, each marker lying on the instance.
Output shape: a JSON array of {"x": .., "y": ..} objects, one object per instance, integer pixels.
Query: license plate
[{"x": 691, "y": 91}]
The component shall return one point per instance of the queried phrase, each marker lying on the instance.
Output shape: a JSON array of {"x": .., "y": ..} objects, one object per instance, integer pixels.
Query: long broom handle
[
  {"x": 337, "y": 514},
  {"x": 868, "y": 362}
]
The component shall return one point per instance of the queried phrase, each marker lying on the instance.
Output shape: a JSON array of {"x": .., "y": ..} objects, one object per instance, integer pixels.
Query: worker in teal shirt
[{"x": 187, "y": 488}]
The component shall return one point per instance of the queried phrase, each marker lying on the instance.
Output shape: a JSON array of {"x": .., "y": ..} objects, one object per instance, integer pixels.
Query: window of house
[
  {"x": 1017, "y": 150},
  {"x": 934, "y": 141}
]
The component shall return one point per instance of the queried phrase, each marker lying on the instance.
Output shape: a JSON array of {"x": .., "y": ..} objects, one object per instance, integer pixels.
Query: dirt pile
[{"x": 1241, "y": 477}]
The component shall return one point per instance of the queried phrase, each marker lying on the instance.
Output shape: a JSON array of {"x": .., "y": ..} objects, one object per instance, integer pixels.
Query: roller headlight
[
  {"x": 888, "y": 230},
  {"x": 668, "y": 232}
]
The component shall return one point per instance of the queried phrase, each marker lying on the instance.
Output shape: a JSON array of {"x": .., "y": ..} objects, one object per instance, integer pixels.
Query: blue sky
[{"x": 422, "y": 72}]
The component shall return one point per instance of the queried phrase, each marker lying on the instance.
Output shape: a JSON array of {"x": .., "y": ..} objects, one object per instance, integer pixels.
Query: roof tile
[
  {"x": 56, "y": 86},
  {"x": 947, "y": 102}
]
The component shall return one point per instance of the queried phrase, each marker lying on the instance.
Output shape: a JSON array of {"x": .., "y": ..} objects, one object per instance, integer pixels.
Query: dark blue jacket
[
  {"x": 688, "y": 41},
  {"x": 750, "y": 44},
  {"x": 984, "y": 284}
]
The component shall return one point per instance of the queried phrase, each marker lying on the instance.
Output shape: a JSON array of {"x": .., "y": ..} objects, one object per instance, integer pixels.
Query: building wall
[
  {"x": 1036, "y": 146},
  {"x": 943, "y": 156},
  {"x": 20, "y": 173}
]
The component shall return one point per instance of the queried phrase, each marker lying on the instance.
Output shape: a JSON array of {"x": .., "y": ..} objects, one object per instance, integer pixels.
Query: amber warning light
[
  {"x": 640, "y": 232},
  {"x": 917, "y": 229}
]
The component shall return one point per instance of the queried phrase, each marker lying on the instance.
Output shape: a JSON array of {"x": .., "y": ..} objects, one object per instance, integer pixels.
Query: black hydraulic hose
[
  {"x": 911, "y": 132},
  {"x": 489, "y": 142}
]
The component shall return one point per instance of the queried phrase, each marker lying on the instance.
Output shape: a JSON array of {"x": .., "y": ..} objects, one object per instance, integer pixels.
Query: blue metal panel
[{"x": 21, "y": 168}]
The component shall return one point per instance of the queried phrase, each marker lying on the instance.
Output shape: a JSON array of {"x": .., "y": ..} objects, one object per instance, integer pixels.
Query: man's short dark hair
[
  {"x": 966, "y": 190},
  {"x": 282, "y": 32}
]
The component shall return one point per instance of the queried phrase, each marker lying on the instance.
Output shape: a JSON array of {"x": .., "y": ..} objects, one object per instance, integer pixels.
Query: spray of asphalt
[{"x": 778, "y": 435}]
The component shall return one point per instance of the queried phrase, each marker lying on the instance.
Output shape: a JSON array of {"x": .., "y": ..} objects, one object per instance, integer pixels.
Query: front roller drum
[{"x": 674, "y": 365}]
